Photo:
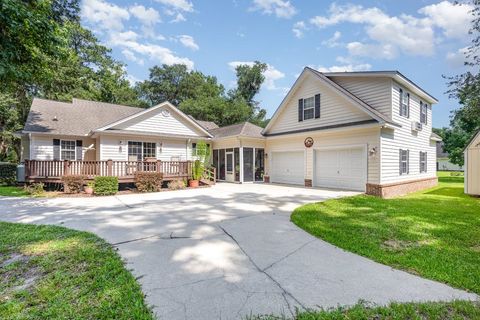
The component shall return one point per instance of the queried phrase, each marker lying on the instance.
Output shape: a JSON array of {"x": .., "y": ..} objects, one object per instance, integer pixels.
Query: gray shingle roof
[
  {"x": 207, "y": 125},
  {"x": 246, "y": 129},
  {"x": 77, "y": 118}
]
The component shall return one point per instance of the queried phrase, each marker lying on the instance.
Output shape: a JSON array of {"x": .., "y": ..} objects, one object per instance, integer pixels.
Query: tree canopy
[{"x": 465, "y": 121}]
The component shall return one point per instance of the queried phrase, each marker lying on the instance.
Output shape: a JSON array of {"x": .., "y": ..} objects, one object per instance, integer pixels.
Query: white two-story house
[{"x": 365, "y": 131}]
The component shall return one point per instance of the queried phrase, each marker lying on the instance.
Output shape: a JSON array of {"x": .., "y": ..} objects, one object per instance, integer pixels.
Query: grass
[
  {"x": 434, "y": 233},
  {"x": 12, "y": 191},
  {"x": 50, "y": 272},
  {"x": 395, "y": 311}
]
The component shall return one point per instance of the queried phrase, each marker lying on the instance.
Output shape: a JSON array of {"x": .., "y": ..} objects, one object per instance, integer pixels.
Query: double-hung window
[
  {"x": 404, "y": 155},
  {"x": 149, "y": 150},
  {"x": 423, "y": 112},
  {"x": 309, "y": 108},
  {"x": 423, "y": 162},
  {"x": 404, "y": 103},
  {"x": 67, "y": 150}
]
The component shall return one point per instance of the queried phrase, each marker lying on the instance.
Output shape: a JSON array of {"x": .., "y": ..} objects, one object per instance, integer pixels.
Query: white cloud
[
  {"x": 182, "y": 5},
  {"x": 454, "y": 20},
  {"x": 299, "y": 28},
  {"x": 178, "y": 18},
  {"x": 345, "y": 68},
  {"x": 131, "y": 56},
  {"x": 458, "y": 58},
  {"x": 281, "y": 8},
  {"x": 333, "y": 41},
  {"x": 188, "y": 42},
  {"x": 394, "y": 34},
  {"x": 103, "y": 14},
  {"x": 271, "y": 74},
  {"x": 148, "y": 17}
]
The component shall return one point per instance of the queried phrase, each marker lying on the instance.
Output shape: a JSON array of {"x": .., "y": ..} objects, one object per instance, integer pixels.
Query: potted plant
[
  {"x": 197, "y": 173},
  {"x": 89, "y": 187}
]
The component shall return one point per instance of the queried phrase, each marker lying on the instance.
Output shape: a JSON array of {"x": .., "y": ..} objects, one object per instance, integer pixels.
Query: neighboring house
[
  {"x": 366, "y": 131},
  {"x": 443, "y": 162},
  {"x": 472, "y": 166}
]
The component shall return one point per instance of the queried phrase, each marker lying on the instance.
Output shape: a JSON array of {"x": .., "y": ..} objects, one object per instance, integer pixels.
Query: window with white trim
[
  {"x": 423, "y": 112},
  {"x": 423, "y": 162},
  {"x": 309, "y": 108},
  {"x": 404, "y": 103},
  {"x": 404, "y": 161},
  {"x": 67, "y": 150},
  {"x": 138, "y": 151}
]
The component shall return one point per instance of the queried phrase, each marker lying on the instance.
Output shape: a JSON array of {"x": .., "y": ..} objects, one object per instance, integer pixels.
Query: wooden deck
[{"x": 53, "y": 170}]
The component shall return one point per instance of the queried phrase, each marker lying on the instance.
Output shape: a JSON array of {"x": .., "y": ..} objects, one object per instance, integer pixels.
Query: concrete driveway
[{"x": 229, "y": 251}]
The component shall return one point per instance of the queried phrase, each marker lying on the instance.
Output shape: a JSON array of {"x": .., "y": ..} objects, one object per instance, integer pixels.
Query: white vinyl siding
[
  {"x": 41, "y": 147},
  {"x": 160, "y": 122},
  {"x": 404, "y": 138},
  {"x": 116, "y": 148},
  {"x": 374, "y": 91},
  {"x": 335, "y": 109}
]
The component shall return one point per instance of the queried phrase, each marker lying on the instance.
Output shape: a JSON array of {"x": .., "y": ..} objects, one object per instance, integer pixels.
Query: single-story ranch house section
[{"x": 366, "y": 131}]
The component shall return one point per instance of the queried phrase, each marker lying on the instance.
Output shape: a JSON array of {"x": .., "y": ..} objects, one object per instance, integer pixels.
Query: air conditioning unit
[{"x": 416, "y": 126}]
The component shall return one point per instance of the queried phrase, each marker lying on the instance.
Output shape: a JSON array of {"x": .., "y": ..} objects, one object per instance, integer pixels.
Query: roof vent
[{"x": 55, "y": 118}]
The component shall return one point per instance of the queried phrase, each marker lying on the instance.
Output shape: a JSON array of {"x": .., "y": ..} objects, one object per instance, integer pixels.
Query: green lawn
[
  {"x": 11, "y": 191},
  {"x": 433, "y": 233},
  {"x": 49, "y": 272}
]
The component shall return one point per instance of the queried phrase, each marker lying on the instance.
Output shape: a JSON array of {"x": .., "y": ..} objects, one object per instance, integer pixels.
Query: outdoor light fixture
[{"x": 373, "y": 151}]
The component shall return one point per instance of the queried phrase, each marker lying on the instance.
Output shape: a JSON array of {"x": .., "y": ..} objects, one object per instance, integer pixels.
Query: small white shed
[{"x": 472, "y": 166}]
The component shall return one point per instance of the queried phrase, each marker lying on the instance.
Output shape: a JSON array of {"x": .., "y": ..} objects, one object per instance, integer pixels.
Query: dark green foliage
[
  {"x": 148, "y": 181},
  {"x": 73, "y": 183},
  {"x": 105, "y": 186},
  {"x": 8, "y": 173}
]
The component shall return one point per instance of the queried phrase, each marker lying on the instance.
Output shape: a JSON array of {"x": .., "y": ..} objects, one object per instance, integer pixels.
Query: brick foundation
[
  {"x": 266, "y": 179},
  {"x": 396, "y": 189},
  {"x": 308, "y": 183}
]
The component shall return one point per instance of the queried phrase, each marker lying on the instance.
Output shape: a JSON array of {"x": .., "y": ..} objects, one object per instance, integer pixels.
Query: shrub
[
  {"x": 105, "y": 186},
  {"x": 148, "y": 181},
  {"x": 198, "y": 169},
  {"x": 176, "y": 185},
  {"x": 35, "y": 189},
  {"x": 8, "y": 173},
  {"x": 73, "y": 183}
]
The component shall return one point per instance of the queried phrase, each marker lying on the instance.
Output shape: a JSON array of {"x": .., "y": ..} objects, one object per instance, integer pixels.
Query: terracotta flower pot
[
  {"x": 88, "y": 190},
  {"x": 193, "y": 183}
]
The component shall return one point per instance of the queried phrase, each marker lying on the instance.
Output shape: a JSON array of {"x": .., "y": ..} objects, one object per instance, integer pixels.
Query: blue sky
[{"x": 422, "y": 39}]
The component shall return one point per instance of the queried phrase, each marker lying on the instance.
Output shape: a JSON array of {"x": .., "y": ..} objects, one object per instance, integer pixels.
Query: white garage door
[
  {"x": 287, "y": 167},
  {"x": 341, "y": 169}
]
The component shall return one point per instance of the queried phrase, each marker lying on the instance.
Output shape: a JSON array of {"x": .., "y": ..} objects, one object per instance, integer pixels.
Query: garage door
[
  {"x": 287, "y": 167},
  {"x": 341, "y": 169}
]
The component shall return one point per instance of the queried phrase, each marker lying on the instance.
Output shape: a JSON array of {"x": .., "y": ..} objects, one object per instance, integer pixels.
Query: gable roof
[
  {"x": 393, "y": 74},
  {"x": 149, "y": 110},
  {"x": 244, "y": 129},
  {"x": 76, "y": 118},
  {"x": 359, "y": 103},
  {"x": 474, "y": 137},
  {"x": 208, "y": 125}
]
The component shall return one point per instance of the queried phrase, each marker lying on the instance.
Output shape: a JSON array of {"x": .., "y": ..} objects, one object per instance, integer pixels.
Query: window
[
  {"x": 149, "y": 150},
  {"x": 404, "y": 103},
  {"x": 308, "y": 108},
  {"x": 404, "y": 161},
  {"x": 423, "y": 162},
  {"x": 423, "y": 112},
  {"x": 67, "y": 149},
  {"x": 138, "y": 151}
]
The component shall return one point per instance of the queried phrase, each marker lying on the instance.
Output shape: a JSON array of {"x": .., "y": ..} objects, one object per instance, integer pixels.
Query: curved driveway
[{"x": 229, "y": 251}]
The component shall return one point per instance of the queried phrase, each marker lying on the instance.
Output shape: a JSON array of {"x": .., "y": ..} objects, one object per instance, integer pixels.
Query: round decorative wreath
[{"x": 308, "y": 142}]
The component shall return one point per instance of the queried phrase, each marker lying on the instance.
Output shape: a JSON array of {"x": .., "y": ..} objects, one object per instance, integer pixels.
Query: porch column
[{"x": 241, "y": 164}]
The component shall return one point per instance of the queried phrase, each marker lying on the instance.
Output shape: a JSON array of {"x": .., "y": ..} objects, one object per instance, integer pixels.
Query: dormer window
[
  {"x": 308, "y": 108},
  {"x": 404, "y": 104}
]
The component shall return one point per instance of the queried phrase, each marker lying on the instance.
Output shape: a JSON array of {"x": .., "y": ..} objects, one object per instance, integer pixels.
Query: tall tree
[{"x": 465, "y": 120}]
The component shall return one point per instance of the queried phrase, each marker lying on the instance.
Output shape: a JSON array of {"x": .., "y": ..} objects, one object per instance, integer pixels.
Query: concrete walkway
[{"x": 229, "y": 251}]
